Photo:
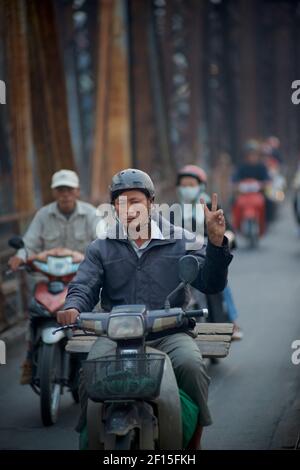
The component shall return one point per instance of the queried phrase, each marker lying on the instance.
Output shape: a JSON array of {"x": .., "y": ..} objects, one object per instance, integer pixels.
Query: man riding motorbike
[
  {"x": 252, "y": 167},
  {"x": 191, "y": 188},
  {"x": 136, "y": 263},
  {"x": 64, "y": 227}
]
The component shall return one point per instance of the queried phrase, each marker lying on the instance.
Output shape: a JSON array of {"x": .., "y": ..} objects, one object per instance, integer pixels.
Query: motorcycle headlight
[{"x": 125, "y": 327}]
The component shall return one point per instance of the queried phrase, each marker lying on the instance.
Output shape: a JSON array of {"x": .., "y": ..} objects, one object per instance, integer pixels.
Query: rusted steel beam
[
  {"x": 179, "y": 31},
  {"x": 248, "y": 91},
  {"x": 112, "y": 146},
  {"x": 19, "y": 103},
  {"x": 17, "y": 216},
  {"x": 159, "y": 86},
  {"x": 98, "y": 160},
  {"x": 144, "y": 134},
  {"x": 51, "y": 131},
  {"x": 119, "y": 139},
  {"x": 196, "y": 49}
]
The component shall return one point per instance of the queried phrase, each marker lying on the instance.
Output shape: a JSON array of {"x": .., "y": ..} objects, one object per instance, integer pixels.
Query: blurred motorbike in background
[
  {"x": 249, "y": 211},
  {"x": 54, "y": 369}
]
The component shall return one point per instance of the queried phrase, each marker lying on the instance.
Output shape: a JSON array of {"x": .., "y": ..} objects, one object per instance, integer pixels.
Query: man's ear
[
  {"x": 150, "y": 205},
  {"x": 114, "y": 211}
]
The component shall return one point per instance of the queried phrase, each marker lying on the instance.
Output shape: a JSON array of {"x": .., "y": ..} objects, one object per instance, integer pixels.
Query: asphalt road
[{"x": 253, "y": 393}]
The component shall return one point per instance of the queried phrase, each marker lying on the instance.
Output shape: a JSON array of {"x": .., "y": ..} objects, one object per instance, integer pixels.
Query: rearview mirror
[
  {"x": 188, "y": 268},
  {"x": 16, "y": 242}
]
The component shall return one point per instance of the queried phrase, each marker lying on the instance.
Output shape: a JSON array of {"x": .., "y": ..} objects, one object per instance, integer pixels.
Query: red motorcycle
[
  {"x": 248, "y": 212},
  {"x": 53, "y": 368}
]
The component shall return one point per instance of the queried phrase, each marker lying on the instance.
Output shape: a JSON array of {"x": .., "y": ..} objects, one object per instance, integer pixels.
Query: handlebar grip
[
  {"x": 96, "y": 322},
  {"x": 91, "y": 316},
  {"x": 203, "y": 312}
]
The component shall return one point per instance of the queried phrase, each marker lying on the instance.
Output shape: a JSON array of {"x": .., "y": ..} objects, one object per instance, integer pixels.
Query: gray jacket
[{"x": 112, "y": 267}]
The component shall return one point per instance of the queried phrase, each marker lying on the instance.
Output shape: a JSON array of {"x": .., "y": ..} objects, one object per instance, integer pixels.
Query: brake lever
[{"x": 65, "y": 327}]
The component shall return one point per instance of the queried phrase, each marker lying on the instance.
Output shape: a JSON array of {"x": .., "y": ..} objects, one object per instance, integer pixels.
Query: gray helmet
[{"x": 131, "y": 178}]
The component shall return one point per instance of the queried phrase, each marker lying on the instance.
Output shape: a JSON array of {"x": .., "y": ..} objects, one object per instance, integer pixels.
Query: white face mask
[{"x": 189, "y": 194}]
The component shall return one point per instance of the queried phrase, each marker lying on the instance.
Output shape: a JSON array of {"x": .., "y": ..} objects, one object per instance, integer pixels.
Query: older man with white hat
[
  {"x": 66, "y": 223},
  {"x": 64, "y": 227}
]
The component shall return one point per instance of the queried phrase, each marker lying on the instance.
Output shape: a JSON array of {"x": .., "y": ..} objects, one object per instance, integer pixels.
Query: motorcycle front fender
[
  {"x": 49, "y": 338},
  {"x": 107, "y": 421}
]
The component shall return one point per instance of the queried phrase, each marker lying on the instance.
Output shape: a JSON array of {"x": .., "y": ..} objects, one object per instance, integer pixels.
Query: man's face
[
  {"x": 189, "y": 190},
  {"x": 253, "y": 158},
  {"x": 66, "y": 198},
  {"x": 133, "y": 209},
  {"x": 274, "y": 142}
]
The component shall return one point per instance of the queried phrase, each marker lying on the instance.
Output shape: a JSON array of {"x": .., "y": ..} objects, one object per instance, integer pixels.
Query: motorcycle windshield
[{"x": 57, "y": 265}]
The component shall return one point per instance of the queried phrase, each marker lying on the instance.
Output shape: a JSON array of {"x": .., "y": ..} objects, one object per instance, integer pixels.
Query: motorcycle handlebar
[
  {"x": 99, "y": 317},
  {"x": 82, "y": 320},
  {"x": 23, "y": 267}
]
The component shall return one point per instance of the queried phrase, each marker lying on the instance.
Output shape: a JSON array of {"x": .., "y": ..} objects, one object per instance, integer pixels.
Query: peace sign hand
[{"x": 215, "y": 221}]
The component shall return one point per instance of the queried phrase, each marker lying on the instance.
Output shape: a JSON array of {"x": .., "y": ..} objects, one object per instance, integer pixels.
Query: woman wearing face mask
[{"x": 191, "y": 189}]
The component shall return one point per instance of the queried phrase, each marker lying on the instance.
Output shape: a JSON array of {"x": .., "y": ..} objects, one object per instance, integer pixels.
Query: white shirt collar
[{"x": 156, "y": 233}]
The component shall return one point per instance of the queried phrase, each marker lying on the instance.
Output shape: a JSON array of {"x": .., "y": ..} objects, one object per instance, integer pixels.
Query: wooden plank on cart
[
  {"x": 213, "y": 348},
  {"x": 214, "y": 328},
  {"x": 214, "y": 338}
]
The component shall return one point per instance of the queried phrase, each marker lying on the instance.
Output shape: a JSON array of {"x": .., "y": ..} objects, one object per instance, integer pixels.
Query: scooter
[
  {"x": 248, "y": 212},
  {"x": 133, "y": 397},
  {"x": 53, "y": 367}
]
